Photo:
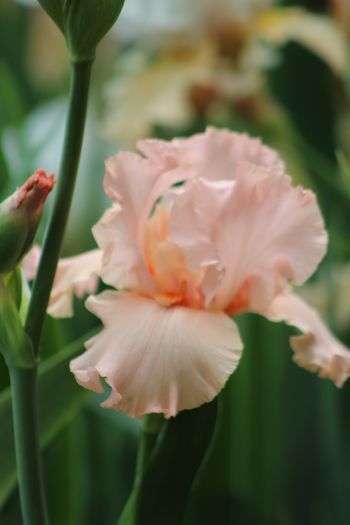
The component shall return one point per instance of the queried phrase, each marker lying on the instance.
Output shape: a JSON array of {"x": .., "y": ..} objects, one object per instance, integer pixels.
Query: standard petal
[
  {"x": 193, "y": 225},
  {"x": 76, "y": 275},
  {"x": 136, "y": 184},
  {"x": 268, "y": 233},
  {"x": 122, "y": 263},
  {"x": 317, "y": 349},
  {"x": 213, "y": 155},
  {"x": 157, "y": 359}
]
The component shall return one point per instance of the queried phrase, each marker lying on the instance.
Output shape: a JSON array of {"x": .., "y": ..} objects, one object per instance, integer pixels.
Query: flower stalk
[
  {"x": 25, "y": 418},
  {"x": 78, "y": 98}
]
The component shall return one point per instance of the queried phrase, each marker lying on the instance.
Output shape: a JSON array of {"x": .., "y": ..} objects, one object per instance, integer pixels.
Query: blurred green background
[{"x": 281, "y": 449}]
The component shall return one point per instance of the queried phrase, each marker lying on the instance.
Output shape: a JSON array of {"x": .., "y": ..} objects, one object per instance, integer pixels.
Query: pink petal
[
  {"x": 136, "y": 184},
  {"x": 30, "y": 262},
  {"x": 122, "y": 264},
  {"x": 268, "y": 233},
  {"x": 157, "y": 359},
  {"x": 194, "y": 216},
  {"x": 213, "y": 155},
  {"x": 75, "y": 275},
  {"x": 317, "y": 349}
]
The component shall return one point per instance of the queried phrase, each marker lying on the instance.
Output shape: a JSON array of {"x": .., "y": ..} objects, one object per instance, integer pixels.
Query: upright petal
[
  {"x": 122, "y": 264},
  {"x": 193, "y": 224},
  {"x": 213, "y": 155},
  {"x": 135, "y": 184},
  {"x": 317, "y": 349},
  {"x": 157, "y": 359},
  {"x": 268, "y": 233}
]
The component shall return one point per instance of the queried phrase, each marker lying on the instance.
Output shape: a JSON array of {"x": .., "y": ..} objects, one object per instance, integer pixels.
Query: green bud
[
  {"x": 15, "y": 345},
  {"x": 19, "y": 218},
  {"x": 83, "y": 22}
]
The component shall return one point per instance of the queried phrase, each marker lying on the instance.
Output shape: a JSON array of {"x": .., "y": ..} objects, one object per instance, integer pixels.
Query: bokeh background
[{"x": 281, "y": 450}]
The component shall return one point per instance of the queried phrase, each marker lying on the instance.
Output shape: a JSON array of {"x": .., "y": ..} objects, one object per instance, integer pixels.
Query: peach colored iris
[{"x": 201, "y": 229}]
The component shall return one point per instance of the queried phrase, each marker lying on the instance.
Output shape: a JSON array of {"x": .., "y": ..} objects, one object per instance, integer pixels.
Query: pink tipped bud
[
  {"x": 19, "y": 218},
  {"x": 32, "y": 195}
]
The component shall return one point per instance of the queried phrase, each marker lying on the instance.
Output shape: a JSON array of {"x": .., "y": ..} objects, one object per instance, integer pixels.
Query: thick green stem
[
  {"x": 25, "y": 418},
  {"x": 78, "y": 98},
  {"x": 151, "y": 426}
]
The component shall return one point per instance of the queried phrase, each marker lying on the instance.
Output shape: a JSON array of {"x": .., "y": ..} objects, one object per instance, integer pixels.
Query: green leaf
[
  {"x": 13, "y": 282},
  {"x": 12, "y": 106},
  {"x": 15, "y": 345},
  {"x": 162, "y": 493},
  {"x": 59, "y": 400}
]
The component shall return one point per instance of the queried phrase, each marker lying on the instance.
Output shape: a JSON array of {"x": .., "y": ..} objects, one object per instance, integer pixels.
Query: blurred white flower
[
  {"x": 158, "y": 18},
  {"x": 155, "y": 93},
  {"x": 194, "y": 59}
]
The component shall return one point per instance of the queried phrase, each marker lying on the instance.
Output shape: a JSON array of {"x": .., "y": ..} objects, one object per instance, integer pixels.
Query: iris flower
[{"x": 201, "y": 230}]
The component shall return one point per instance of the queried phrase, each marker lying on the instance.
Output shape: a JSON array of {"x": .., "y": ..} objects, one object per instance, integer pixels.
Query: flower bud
[
  {"x": 19, "y": 218},
  {"x": 83, "y": 22}
]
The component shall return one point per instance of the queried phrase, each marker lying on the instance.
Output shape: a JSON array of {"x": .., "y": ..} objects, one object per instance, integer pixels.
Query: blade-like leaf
[
  {"x": 59, "y": 399},
  {"x": 161, "y": 495}
]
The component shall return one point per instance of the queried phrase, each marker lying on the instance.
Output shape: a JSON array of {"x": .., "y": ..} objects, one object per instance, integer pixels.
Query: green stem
[
  {"x": 25, "y": 418},
  {"x": 78, "y": 98},
  {"x": 151, "y": 426}
]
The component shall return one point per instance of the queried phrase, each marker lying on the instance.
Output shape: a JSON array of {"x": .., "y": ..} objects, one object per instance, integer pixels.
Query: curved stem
[
  {"x": 78, "y": 97},
  {"x": 25, "y": 418},
  {"x": 151, "y": 427}
]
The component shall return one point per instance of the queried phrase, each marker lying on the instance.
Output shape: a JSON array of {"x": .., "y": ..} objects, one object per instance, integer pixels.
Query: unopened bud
[
  {"x": 83, "y": 22},
  {"x": 19, "y": 218}
]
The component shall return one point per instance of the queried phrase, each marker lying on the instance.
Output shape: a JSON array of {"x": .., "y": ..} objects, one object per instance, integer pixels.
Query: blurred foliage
[{"x": 281, "y": 450}]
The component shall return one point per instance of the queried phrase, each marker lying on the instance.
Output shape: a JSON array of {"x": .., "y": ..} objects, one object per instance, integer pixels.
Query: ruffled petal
[
  {"x": 122, "y": 264},
  {"x": 135, "y": 184},
  {"x": 268, "y": 234},
  {"x": 213, "y": 155},
  {"x": 157, "y": 359},
  {"x": 317, "y": 349},
  {"x": 193, "y": 226},
  {"x": 74, "y": 276},
  {"x": 77, "y": 275}
]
